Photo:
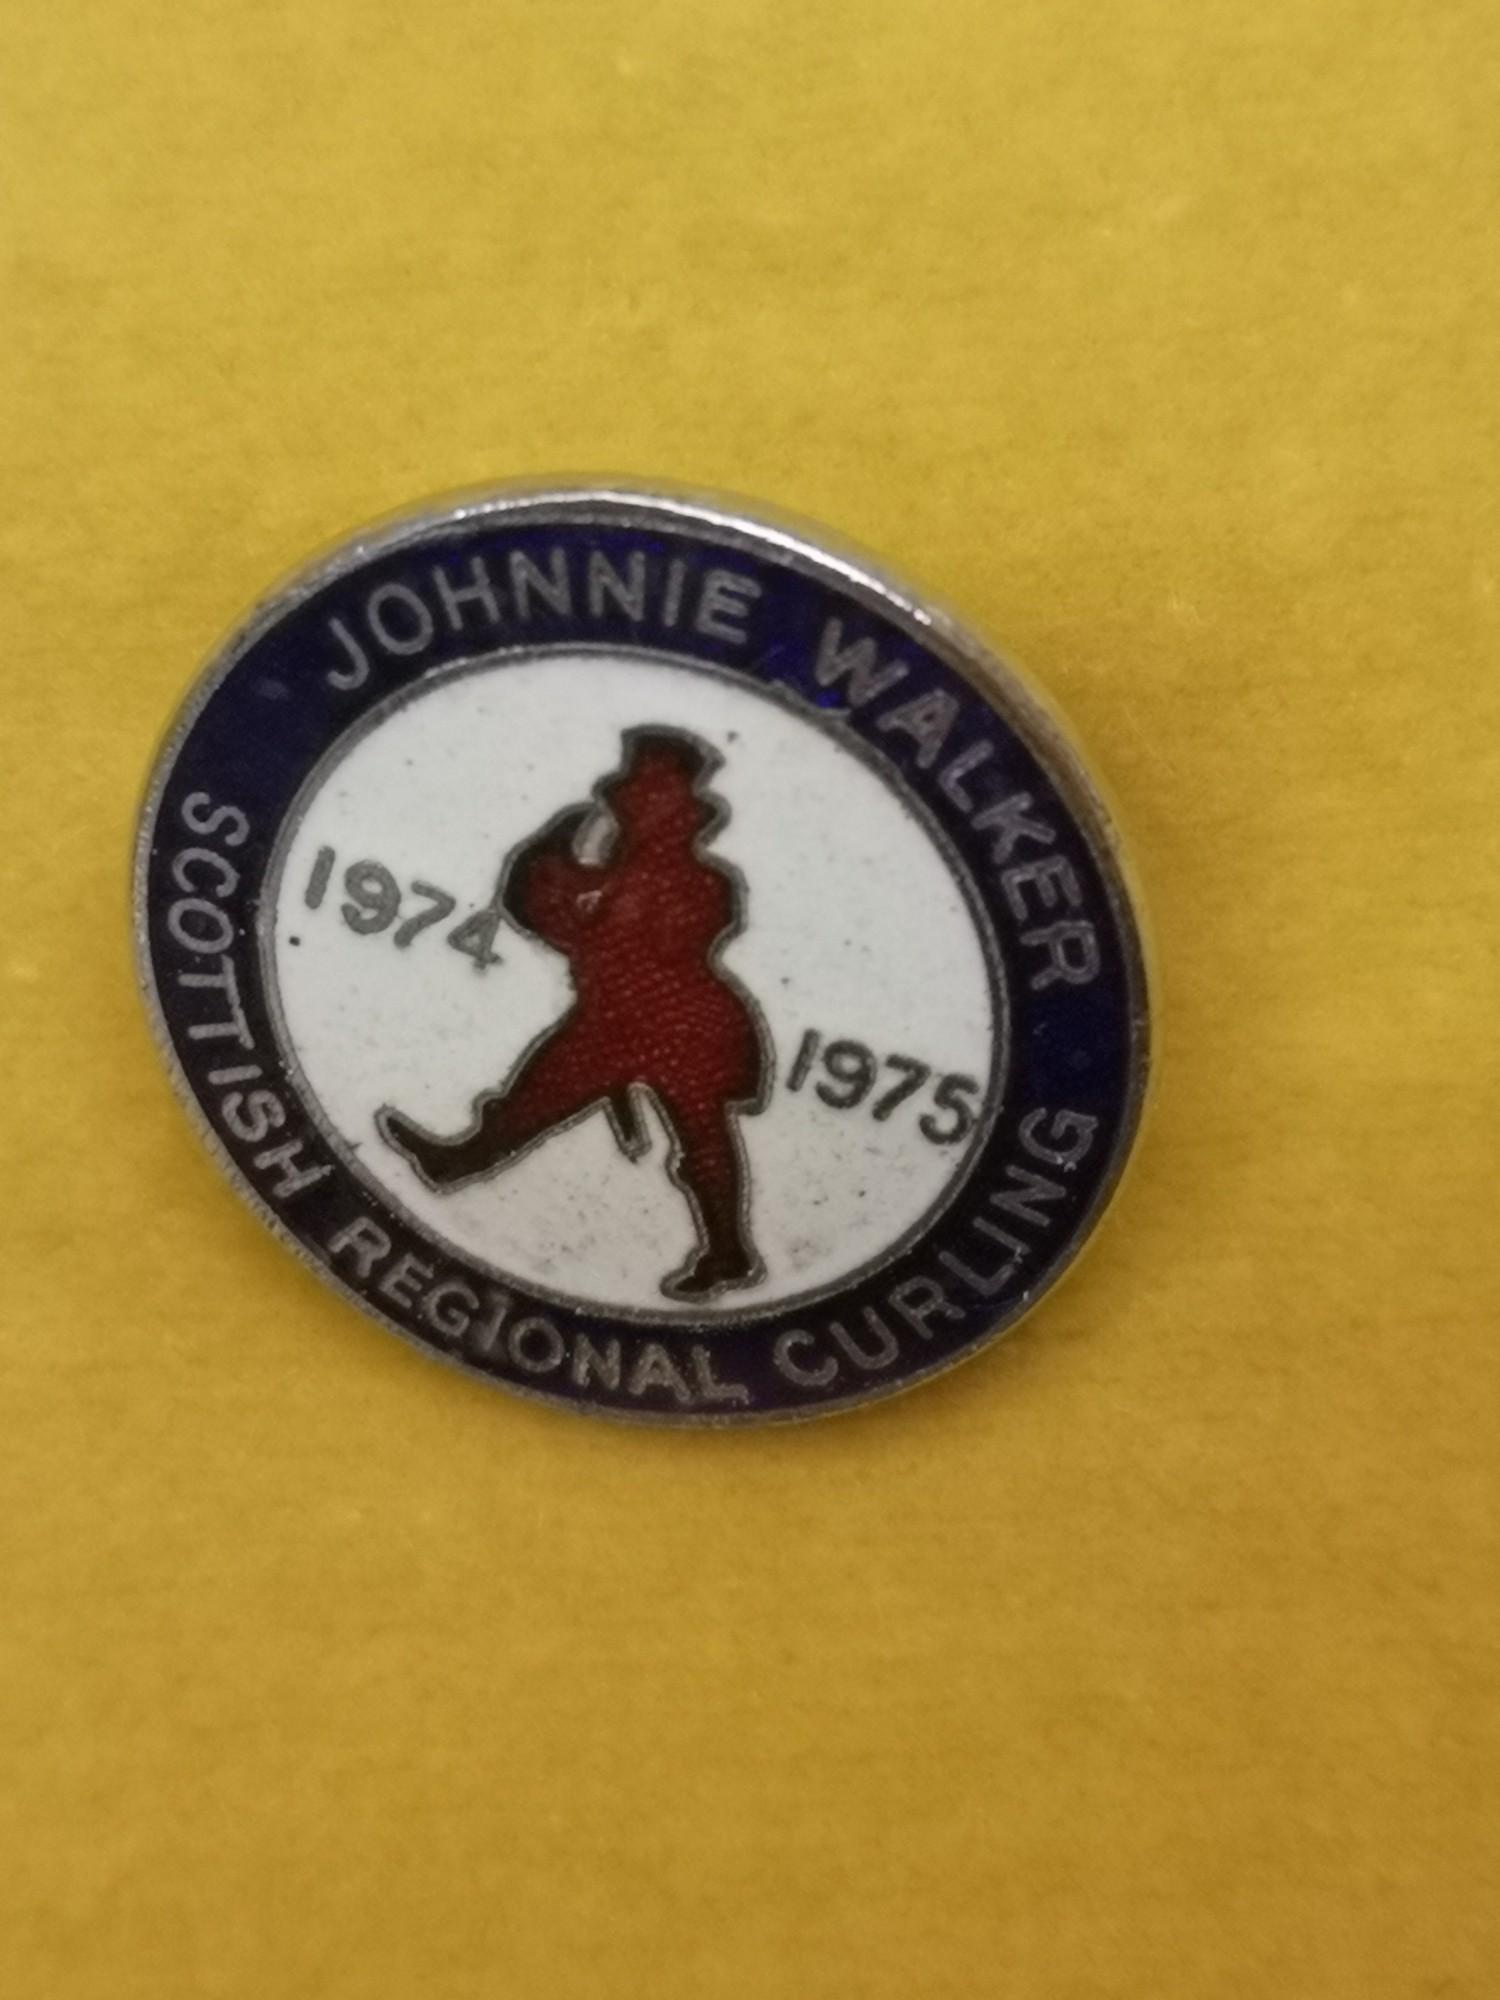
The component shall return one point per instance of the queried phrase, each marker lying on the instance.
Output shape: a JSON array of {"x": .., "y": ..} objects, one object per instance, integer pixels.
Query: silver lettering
[
  {"x": 454, "y": 596},
  {"x": 404, "y": 1281},
  {"x": 366, "y": 1242},
  {"x": 1070, "y": 1134},
  {"x": 550, "y": 585},
  {"x": 1008, "y": 816},
  {"x": 926, "y": 719},
  {"x": 235, "y": 1028},
  {"x": 709, "y": 1386},
  {"x": 605, "y": 581},
  {"x": 228, "y": 874},
  {"x": 452, "y": 1322},
  {"x": 885, "y": 1350},
  {"x": 200, "y": 907},
  {"x": 857, "y": 664},
  {"x": 293, "y": 1179},
  {"x": 480, "y": 1344},
  {"x": 358, "y": 671},
  {"x": 536, "y": 1346},
  {"x": 1072, "y": 954},
  {"x": 1053, "y": 879},
  {"x": 1023, "y": 1198},
  {"x": 596, "y": 1364},
  {"x": 725, "y": 604},
  {"x": 950, "y": 778},
  {"x": 987, "y": 1284},
  {"x": 254, "y": 1116},
  {"x": 418, "y": 638},
  {"x": 197, "y": 821},
  {"x": 817, "y": 1377},
  {"x": 671, "y": 603},
  {"x": 655, "y": 1369},
  {"x": 921, "y": 1299}
]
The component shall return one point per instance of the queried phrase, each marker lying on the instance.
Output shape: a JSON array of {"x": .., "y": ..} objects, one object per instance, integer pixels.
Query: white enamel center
[{"x": 855, "y": 928}]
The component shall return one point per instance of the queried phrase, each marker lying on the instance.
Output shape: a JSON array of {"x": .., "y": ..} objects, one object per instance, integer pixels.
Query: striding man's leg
[
  {"x": 547, "y": 1090},
  {"x": 709, "y": 1167}
]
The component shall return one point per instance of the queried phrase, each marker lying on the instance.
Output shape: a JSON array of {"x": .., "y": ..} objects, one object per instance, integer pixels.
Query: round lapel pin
[{"x": 644, "y": 955}]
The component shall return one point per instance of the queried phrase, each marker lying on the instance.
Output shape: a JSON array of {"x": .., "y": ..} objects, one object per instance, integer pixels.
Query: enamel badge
[{"x": 645, "y": 956}]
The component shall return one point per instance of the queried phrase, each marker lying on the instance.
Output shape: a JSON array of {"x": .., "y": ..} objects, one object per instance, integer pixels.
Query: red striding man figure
[{"x": 642, "y": 928}]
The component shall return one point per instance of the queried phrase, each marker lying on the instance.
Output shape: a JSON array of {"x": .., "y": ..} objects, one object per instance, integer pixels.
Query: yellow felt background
[{"x": 1151, "y": 1655}]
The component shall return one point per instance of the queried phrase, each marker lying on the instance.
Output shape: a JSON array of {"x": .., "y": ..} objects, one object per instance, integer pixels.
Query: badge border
[{"x": 822, "y": 556}]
